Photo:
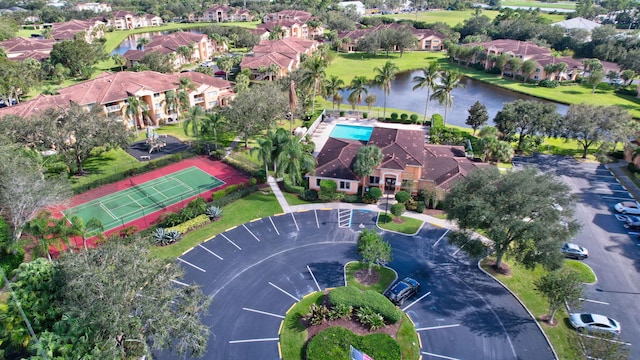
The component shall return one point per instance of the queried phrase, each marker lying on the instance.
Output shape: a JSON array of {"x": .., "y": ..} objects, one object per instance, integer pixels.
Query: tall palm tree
[
  {"x": 135, "y": 109},
  {"x": 449, "y": 80},
  {"x": 368, "y": 158},
  {"x": 274, "y": 70},
  {"x": 358, "y": 86},
  {"x": 315, "y": 67},
  {"x": 193, "y": 121},
  {"x": 184, "y": 86},
  {"x": 171, "y": 102},
  {"x": 142, "y": 42},
  {"x": 332, "y": 86},
  {"x": 383, "y": 79},
  {"x": 225, "y": 63},
  {"x": 211, "y": 123},
  {"x": 86, "y": 230},
  {"x": 120, "y": 60},
  {"x": 337, "y": 99},
  {"x": 264, "y": 150},
  {"x": 429, "y": 79},
  {"x": 293, "y": 160},
  {"x": 370, "y": 100},
  {"x": 186, "y": 52}
]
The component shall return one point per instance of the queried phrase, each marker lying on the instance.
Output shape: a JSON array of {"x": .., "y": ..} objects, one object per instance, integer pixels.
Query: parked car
[
  {"x": 402, "y": 290},
  {"x": 594, "y": 322},
  {"x": 574, "y": 251},
  {"x": 633, "y": 221},
  {"x": 628, "y": 207}
]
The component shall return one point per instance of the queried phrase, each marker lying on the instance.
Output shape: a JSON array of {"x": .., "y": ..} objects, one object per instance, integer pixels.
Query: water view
[
  {"x": 403, "y": 97},
  {"x": 131, "y": 42}
]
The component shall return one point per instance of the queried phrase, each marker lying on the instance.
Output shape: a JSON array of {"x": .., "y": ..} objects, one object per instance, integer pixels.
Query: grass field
[
  {"x": 453, "y": 18},
  {"x": 535, "y": 4}
]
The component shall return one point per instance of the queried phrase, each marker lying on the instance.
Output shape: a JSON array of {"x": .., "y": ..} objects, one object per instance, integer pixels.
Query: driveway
[
  {"x": 255, "y": 272},
  {"x": 614, "y": 251}
]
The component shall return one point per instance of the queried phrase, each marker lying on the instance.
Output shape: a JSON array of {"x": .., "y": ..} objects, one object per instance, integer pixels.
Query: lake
[
  {"x": 131, "y": 42},
  {"x": 404, "y": 98}
]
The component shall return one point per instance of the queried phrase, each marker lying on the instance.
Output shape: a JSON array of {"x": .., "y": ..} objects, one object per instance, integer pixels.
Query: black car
[{"x": 402, "y": 290}]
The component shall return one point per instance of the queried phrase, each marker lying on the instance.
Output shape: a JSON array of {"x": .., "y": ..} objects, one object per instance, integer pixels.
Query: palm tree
[
  {"x": 337, "y": 99},
  {"x": 184, "y": 86},
  {"x": 383, "y": 79},
  {"x": 368, "y": 158},
  {"x": 225, "y": 63},
  {"x": 449, "y": 80},
  {"x": 358, "y": 86},
  {"x": 135, "y": 109},
  {"x": 429, "y": 79},
  {"x": 120, "y": 60},
  {"x": 186, "y": 52},
  {"x": 193, "y": 121},
  {"x": 332, "y": 86},
  {"x": 315, "y": 67},
  {"x": 293, "y": 160},
  {"x": 211, "y": 123},
  {"x": 274, "y": 70},
  {"x": 353, "y": 100},
  {"x": 171, "y": 102},
  {"x": 86, "y": 230},
  {"x": 264, "y": 150},
  {"x": 370, "y": 100},
  {"x": 262, "y": 70},
  {"x": 142, "y": 42}
]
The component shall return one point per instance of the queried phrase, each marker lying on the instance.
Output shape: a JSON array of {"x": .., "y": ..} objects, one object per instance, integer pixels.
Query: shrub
[
  {"x": 420, "y": 207},
  {"x": 328, "y": 190},
  {"x": 341, "y": 113},
  {"x": 394, "y": 116},
  {"x": 218, "y": 195},
  {"x": 353, "y": 297},
  {"x": 372, "y": 195},
  {"x": 397, "y": 209},
  {"x": 317, "y": 314},
  {"x": 366, "y": 316},
  {"x": 438, "y": 121},
  {"x": 290, "y": 188},
  {"x": 213, "y": 212},
  {"x": 548, "y": 83},
  {"x": 189, "y": 225},
  {"x": 404, "y": 117},
  {"x": 340, "y": 311},
  {"x": 9, "y": 262},
  {"x": 411, "y": 204},
  {"x": 352, "y": 198},
  {"x": 414, "y": 118},
  {"x": 365, "y": 115},
  {"x": 231, "y": 188},
  {"x": 229, "y": 198},
  {"x": 334, "y": 343},
  {"x": 402, "y": 196},
  {"x": 309, "y": 195},
  {"x": 162, "y": 237},
  {"x": 632, "y": 168}
]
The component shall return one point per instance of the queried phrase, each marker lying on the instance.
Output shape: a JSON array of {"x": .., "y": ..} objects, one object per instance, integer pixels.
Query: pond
[
  {"x": 131, "y": 42},
  {"x": 404, "y": 98}
]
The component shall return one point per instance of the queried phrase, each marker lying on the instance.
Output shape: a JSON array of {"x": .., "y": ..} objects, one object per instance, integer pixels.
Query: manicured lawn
[
  {"x": 408, "y": 225},
  {"x": 254, "y": 206},
  {"x": 387, "y": 276},
  {"x": 408, "y": 339},
  {"x": 293, "y": 199},
  {"x": 104, "y": 164},
  {"x": 586, "y": 274},
  {"x": 521, "y": 283},
  {"x": 538, "y": 4},
  {"x": 453, "y": 18},
  {"x": 293, "y": 334}
]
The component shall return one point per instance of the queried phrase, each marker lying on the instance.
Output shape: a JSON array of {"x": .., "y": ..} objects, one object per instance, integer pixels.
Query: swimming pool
[{"x": 351, "y": 132}]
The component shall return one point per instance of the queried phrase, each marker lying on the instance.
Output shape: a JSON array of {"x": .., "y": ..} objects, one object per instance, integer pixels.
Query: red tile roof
[
  {"x": 254, "y": 62},
  {"x": 22, "y": 48},
  {"x": 336, "y": 159}
]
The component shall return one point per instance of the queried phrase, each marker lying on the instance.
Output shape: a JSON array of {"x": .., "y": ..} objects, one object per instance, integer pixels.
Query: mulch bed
[{"x": 503, "y": 270}]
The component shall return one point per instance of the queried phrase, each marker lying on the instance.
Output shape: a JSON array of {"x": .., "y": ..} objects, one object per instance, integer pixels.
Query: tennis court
[{"x": 140, "y": 200}]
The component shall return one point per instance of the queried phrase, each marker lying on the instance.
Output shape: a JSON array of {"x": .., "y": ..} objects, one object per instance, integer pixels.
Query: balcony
[{"x": 113, "y": 108}]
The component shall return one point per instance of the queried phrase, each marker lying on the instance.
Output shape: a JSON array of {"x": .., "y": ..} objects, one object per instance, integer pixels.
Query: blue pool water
[{"x": 351, "y": 132}]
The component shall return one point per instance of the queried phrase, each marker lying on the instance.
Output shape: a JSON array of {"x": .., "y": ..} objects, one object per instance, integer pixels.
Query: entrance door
[{"x": 390, "y": 184}]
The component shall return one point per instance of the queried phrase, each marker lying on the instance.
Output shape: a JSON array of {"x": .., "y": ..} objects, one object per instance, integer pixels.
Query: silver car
[
  {"x": 594, "y": 322},
  {"x": 628, "y": 207},
  {"x": 574, "y": 251}
]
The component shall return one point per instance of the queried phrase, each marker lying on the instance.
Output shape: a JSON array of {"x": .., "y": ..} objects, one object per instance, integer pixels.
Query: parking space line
[
  {"x": 229, "y": 240},
  {"x": 594, "y": 301},
  {"x": 295, "y": 222},
  {"x": 441, "y": 237},
  {"x": 210, "y": 252},
  {"x": 275, "y": 286},
  {"x": 418, "y": 299},
  {"x": 314, "y": 278},
  {"x": 179, "y": 282},
  {"x": 611, "y": 340},
  {"x": 317, "y": 222},
  {"x": 190, "y": 264},
  {"x": 621, "y": 217},
  {"x": 249, "y": 231},
  {"x": 263, "y": 312},
  {"x": 274, "y": 225},
  {"x": 617, "y": 198},
  {"x": 252, "y": 340},
  {"x": 438, "y": 356},
  {"x": 438, "y": 327}
]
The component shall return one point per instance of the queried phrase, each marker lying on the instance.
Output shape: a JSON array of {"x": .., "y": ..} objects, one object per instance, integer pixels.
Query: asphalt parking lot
[
  {"x": 614, "y": 250},
  {"x": 255, "y": 272}
]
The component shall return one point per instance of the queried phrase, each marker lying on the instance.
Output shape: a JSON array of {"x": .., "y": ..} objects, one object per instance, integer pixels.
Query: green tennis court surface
[{"x": 140, "y": 200}]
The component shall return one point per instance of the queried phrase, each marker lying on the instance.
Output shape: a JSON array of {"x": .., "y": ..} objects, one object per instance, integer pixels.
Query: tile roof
[
  {"x": 445, "y": 165},
  {"x": 524, "y": 48},
  {"x": 290, "y": 46},
  {"x": 175, "y": 40},
  {"x": 336, "y": 159},
  {"x": 21, "y": 48},
  {"x": 401, "y": 148},
  {"x": 36, "y": 105},
  {"x": 254, "y": 62}
]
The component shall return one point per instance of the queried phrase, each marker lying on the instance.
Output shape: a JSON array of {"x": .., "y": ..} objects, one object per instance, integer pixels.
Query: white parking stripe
[
  {"x": 194, "y": 266},
  {"x": 617, "y": 198},
  {"x": 252, "y": 234},
  {"x": 295, "y": 222},
  {"x": 317, "y": 222},
  {"x": 252, "y": 340},
  {"x": 613, "y": 341},
  {"x": 438, "y": 356},
  {"x": 229, "y": 240},
  {"x": 594, "y": 301},
  {"x": 211, "y": 252},
  {"x": 438, "y": 327},
  {"x": 179, "y": 282},
  {"x": 274, "y": 226},
  {"x": 441, "y": 237},
  {"x": 275, "y": 286},
  {"x": 263, "y": 312},
  {"x": 418, "y": 299},
  {"x": 314, "y": 278}
]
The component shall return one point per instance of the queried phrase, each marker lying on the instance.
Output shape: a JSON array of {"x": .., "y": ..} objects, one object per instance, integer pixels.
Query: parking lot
[
  {"x": 614, "y": 249},
  {"x": 256, "y": 271}
]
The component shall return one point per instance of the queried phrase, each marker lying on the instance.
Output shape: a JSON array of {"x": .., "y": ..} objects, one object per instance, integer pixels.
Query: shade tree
[
  {"x": 373, "y": 249},
  {"x": 559, "y": 287},
  {"x": 526, "y": 118}
]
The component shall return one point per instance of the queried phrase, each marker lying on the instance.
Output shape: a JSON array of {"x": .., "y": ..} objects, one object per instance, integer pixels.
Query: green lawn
[
  {"x": 453, "y": 18},
  {"x": 387, "y": 276},
  {"x": 293, "y": 334},
  {"x": 521, "y": 283},
  {"x": 105, "y": 164},
  {"x": 254, "y": 206},
  {"x": 538, "y": 4},
  {"x": 407, "y": 225},
  {"x": 585, "y": 272}
]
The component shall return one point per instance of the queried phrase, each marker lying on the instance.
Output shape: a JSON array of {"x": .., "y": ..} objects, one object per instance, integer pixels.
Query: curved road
[{"x": 257, "y": 271}]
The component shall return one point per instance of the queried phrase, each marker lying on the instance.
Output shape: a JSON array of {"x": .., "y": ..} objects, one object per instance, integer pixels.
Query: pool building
[{"x": 408, "y": 162}]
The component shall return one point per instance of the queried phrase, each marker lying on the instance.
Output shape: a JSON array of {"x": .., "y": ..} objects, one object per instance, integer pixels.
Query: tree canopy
[
  {"x": 525, "y": 214},
  {"x": 525, "y": 118},
  {"x": 373, "y": 248}
]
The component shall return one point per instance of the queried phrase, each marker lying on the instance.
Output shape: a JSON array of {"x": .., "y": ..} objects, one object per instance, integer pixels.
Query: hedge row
[
  {"x": 229, "y": 198},
  {"x": 352, "y": 296},
  {"x": 335, "y": 343},
  {"x": 189, "y": 225},
  {"x": 290, "y": 188}
]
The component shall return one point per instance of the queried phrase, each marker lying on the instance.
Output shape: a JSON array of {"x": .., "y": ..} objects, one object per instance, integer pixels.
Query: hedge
[
  {"x": 290, "y": 188},
  {"x": 334, "y": 344},
  {"x": 189, "y": 225},
  {"x": 229, "y": 198},
  {"x": 352, "y": 296}
]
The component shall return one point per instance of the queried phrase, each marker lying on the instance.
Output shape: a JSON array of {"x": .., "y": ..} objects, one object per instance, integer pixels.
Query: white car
[
  {"x": 594, "y": 322},
  {"x": 628, "y": 207}
]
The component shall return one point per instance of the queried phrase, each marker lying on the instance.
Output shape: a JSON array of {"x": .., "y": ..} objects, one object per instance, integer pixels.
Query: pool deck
[{"x": 321, "y": 135}]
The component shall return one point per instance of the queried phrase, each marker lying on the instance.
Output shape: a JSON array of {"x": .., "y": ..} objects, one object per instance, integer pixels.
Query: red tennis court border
[{"x": 217, "y": 168}]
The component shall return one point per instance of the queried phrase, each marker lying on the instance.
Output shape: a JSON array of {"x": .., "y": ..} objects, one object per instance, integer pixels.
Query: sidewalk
[{"x": 617, "y": 171}]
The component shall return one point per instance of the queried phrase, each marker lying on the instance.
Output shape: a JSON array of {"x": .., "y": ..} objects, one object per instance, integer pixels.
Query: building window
[
  {"x": 318, "y": 182},
  {"x": 156, "y": 95},
  {"x": 374, "y": 180},
  {"x": 345, "y": 185},
  {"x": 538, "y": 69}
]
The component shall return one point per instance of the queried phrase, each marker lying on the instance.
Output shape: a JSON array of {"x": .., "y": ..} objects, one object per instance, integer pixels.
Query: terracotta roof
[
  {"x": 122, "y": 13},
  {"x": 22, "y": 48},
  {"x": 356, "y": 34},
  {"x": 254, "y": 62},
  {"x": 445, "y": 165},
  {"x": 336, "y": 159},
  {"x": 516, "y": 47},
  {"x": 36, "y": 105},
  {"x": 291, "y": 47},
  {"x": 400, "y": 148},
  {"x": 175, "y": 40}
]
